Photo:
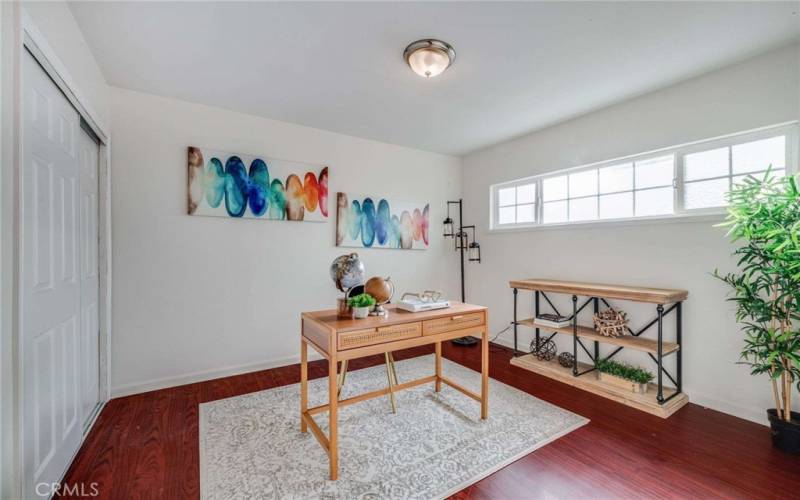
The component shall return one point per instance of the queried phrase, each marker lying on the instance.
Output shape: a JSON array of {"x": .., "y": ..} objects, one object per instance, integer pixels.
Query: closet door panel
[
  {"x": 50, "y": 289},
  {"x": 90, "y": 322}
]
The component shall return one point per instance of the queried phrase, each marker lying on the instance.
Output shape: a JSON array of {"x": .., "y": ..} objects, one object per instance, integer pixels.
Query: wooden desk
[{"x": 339, "y": 339}]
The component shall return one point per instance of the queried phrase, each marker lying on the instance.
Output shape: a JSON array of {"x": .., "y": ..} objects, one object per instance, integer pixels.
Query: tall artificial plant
[{"x": 764, "y": 218}]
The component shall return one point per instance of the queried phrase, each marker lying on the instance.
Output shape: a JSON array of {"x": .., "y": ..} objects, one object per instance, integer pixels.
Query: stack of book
[{"x": 553, "y": 320}]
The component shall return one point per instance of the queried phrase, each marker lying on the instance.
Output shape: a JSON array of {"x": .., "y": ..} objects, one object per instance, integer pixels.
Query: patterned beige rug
[{"x": 436, "y": 444}]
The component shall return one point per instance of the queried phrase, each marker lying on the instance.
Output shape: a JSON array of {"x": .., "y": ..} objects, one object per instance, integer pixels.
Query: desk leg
[
  {"x": 303, "y": 383},
  {"x": 438, "y": 366},
  {"x": 485, "y": 374},
  {"x": 333, "y": 403}
]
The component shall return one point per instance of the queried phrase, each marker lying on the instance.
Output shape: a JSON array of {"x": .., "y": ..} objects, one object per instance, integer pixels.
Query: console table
[
  {"x": 662, "y": 401},
  {"x": 338, "y": 339}
]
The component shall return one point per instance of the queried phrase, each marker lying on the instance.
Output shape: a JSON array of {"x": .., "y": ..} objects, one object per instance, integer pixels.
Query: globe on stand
[
  {"x": 347, "y": 272},
  {"x": 381, "y": 290}
]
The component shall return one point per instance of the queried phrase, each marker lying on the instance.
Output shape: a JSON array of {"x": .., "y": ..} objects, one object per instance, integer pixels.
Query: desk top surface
[
  {"x": 396, "y": 316},
  {"x": 624, "y": 292}
]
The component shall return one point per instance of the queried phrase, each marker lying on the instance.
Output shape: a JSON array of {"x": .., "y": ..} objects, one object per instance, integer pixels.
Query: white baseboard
[
  {"x": 757, "y": 416},
  {"x": 202, "y": 376},
  {"x": 706, "y": 401}
]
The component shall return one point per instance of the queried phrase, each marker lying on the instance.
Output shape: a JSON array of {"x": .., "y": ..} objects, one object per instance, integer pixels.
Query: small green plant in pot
[
  {"x": 764, "y": 219},
  {"x": 361, "y": 305},
  {"x": 624, "y": 375}
]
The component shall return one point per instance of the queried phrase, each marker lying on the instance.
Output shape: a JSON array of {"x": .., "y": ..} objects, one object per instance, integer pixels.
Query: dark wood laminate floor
[{"x": 146, "y": 446}]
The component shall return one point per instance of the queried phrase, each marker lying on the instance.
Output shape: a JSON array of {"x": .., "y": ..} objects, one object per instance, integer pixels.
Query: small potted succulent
[
  {"x": 361, "y": 305},
  {"x": 624, "y": 375}
]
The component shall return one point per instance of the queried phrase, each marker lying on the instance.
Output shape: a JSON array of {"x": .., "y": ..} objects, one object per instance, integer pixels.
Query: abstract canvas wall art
[
  {"x": 244, "y": 186},
  {"x": 374, "y": 222}
]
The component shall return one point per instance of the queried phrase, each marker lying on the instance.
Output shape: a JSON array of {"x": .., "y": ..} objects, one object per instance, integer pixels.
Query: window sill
[{"x": 715, "y": 217}]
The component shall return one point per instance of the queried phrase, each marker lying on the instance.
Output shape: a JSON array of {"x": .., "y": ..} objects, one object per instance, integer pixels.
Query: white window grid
[
  {"x": 634, "y": 189},
  {"x": 790, "y": 154},
  {"x": 789, "y": 130},
  {"x": 496, "y": 203}
]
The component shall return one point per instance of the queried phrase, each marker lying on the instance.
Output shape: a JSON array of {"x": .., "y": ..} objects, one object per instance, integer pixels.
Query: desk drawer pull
[{"x": 455, "y": 318}]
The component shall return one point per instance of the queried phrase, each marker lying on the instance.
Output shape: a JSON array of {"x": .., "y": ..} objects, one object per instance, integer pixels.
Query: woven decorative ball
[
  {"x": 544, "y": 349},
  {"x": 566, "y": 359}
]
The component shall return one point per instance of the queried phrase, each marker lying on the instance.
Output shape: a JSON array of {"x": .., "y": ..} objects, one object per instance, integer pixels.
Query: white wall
[
  {"x": 199, "y": 297},
  {"x": 758, "y": 92},
  {"x": 55, "y": 21}
]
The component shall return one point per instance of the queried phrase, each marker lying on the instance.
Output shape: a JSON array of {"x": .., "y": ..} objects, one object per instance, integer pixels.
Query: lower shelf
[{"x": 588, "y": 382}]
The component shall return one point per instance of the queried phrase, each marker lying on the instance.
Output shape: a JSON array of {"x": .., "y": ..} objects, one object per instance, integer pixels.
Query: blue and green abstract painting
[
  {"x": 244, "y": 186},
  {"x": 372, "y": 222}
]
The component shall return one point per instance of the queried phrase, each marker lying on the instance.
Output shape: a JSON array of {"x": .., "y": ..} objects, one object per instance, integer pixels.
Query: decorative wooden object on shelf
[
  {"x": 611, "y": 323},
  {"x": 610, "y": 327}
]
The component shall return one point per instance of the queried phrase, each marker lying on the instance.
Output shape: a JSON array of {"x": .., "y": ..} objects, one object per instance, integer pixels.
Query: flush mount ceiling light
[{"x": 429, "y": 57}]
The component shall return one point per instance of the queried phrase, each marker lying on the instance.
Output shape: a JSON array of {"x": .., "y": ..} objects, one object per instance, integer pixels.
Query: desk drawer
[
  {"x": 372, "y": 336},
  {"x": 441, "y": 325}
]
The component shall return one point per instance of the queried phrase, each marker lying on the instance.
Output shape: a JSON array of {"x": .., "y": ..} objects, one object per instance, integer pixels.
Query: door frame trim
[{"x": 20, "y": 35}]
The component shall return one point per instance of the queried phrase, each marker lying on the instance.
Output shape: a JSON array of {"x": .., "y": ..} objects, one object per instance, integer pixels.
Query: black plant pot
[{"x": 785, "y": 435}]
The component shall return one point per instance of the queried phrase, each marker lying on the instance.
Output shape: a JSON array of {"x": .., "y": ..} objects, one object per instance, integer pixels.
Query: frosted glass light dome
[{"x": 429, "y": 58}]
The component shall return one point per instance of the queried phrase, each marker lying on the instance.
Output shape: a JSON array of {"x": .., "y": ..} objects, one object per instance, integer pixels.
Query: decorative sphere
[
  {"x": 381, "y": 289},
  {"x": 347, "y": 271},
  {"x": 566, "y": 359},
  {"x": 544, "y": 349}
]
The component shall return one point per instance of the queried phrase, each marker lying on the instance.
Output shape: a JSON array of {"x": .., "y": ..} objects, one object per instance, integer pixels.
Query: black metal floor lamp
[{"x": 462, "y": 242}]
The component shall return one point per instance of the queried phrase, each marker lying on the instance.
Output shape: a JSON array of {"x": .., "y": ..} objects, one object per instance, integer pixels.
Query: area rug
[{"x": 251, "y": 445}]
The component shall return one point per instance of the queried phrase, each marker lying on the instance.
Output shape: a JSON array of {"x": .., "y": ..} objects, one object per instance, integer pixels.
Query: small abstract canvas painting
[
  {"x": 373, "y": 222},
  {"x": 244, "y": 186}
]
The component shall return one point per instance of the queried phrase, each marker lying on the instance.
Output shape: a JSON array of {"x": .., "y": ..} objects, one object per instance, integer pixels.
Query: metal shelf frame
[{"x": 658, "y": 321}]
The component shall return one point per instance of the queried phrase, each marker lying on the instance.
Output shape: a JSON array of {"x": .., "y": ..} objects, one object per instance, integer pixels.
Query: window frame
[
  {"x": 790, "y": 145},
  {"x": 679, "y": 212},
  {"x": 495, "y": 204}
]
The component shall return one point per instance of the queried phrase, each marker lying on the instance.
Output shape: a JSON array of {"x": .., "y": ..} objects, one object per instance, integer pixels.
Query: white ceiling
[{"x": 338, "y": 66}]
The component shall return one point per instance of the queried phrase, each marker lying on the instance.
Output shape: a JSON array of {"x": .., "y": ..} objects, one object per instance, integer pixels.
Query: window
[
  {"x": 710, "y": 173},
  {"x": 516, "y": 204},
  {"x": 682, "y": 180},
  {"x": 617, "y": 191}
]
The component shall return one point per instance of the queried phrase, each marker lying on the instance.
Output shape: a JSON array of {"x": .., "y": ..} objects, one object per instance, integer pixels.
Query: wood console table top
[{"x": 604, "y": 290}]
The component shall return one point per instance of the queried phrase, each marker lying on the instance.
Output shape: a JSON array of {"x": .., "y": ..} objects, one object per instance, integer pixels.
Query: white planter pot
[{"x": 360, "y": 312}]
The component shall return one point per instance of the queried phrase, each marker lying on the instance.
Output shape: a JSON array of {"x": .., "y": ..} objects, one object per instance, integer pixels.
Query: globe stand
[
  {"x": 379, "y": 311},
  {"x": 382, "y": 290}
]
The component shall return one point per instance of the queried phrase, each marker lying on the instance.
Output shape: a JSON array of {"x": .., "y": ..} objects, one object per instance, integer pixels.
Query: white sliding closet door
[
  {"x": 88, "y": 156},
  {"x": 56, "y": 259}
]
